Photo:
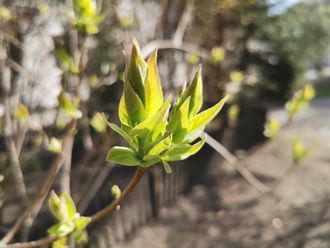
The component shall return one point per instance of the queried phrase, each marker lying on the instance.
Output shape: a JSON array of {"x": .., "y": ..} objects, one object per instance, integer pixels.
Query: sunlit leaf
[
  {"x": 200, "y": 120},
  {"x": 60, "y": 243},
  {"x": 154, "y": 93},
  {"x": 167, "y": 167},
  {"x": 161, "y": 146},
  {"x": 183, "y": 152},
  {"x": 54, "y": 205},
  {"x": 122, "y": 112},
  {"x": 178, "y": 123},
  {"x": 134, "y": 106},
  {"x": 195, "y": 92},
  {"x": 145, "y": 127},
  {"x": 69, "y": 204},
  {"x": 123, "y": 155},
  {"x": 61, "y": 229},
  {"x": 121, "y": 132},
  {"x": 82, "y": 222},
  {"x": 136, "y": 72}
]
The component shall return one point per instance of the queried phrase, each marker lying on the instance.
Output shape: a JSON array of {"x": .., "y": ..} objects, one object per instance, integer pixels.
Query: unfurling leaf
[
  {"x": 154, "y": 93},
  {"x": 70, "y": 222},
  {"x": 205, "y": 117},
  {"x": 179, "y": 123}
]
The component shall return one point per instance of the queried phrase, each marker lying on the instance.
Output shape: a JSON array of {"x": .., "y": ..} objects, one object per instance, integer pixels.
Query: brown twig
[
  {"x": 5, "y": 89},
  {"x": 97, "y": 216},
  {"x": 57, "y": 164},
  {"x": 255, "y": 182},
  {"x": 110, "y": 208}
]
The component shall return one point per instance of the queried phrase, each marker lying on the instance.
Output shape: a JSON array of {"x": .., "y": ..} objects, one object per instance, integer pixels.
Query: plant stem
[
  {"x": 285, "y": 173},
  {"x": 97, "y": 216},
  {"x": 255, "y": 182},
  {"x": 110, "y": 208},
  {"x": 57, "y": 164}
]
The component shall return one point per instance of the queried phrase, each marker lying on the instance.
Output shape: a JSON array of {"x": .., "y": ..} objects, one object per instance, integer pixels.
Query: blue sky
[{"x": 280, "y": 6}]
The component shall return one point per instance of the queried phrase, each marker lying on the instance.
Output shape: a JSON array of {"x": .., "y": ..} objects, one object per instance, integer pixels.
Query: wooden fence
[{"x": 157, "y": 189}]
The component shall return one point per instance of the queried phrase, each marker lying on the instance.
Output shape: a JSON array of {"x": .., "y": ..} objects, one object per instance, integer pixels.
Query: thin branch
[
  {"x": 110, "y": 208},
  {"x": 5, "y": 87},
  {"x": 37, "y": 243},
  {"x": 57, "y": 164},
  {"x": 285, "y": 174},
  {"x": 97, "y": 216},
  {"x": 255, "y": 182},
  {"x": 94, "y": 188}
]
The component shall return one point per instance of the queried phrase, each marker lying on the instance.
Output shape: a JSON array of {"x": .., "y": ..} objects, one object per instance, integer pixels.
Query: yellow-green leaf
[
  {"x": 178, "y": 123},
  {"x": 154, "y": 93},
  {"x": 121, "y": 132},
  {"x": 183, "y": 152},
  {"x": 195, "y": 92},
  {"x": 200, "y": 120},
  {"x": 122, "y": 112},
  {"x": 123, "y": 155},
  {"x": 134, "y": 106},
  {"x": 161, "y": 146},
  {"x": 145, "y": 127},
  {"x": 167, "y": 167},
  {"x": 136, "y": 72}
]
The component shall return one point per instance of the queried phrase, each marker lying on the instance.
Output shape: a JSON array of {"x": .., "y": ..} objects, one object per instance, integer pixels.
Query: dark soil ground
[{"x": 226, "y": 211}]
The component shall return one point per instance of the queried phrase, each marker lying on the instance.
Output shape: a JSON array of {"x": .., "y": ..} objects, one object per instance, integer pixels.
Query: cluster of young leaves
[
  {"x": 300, "y": 100},
  {"x": 85, "y": 18},
  {"x": 155, "y": 133},
  {"x": 70, "y": 222},
  {"x": 69, "y": 107}
]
